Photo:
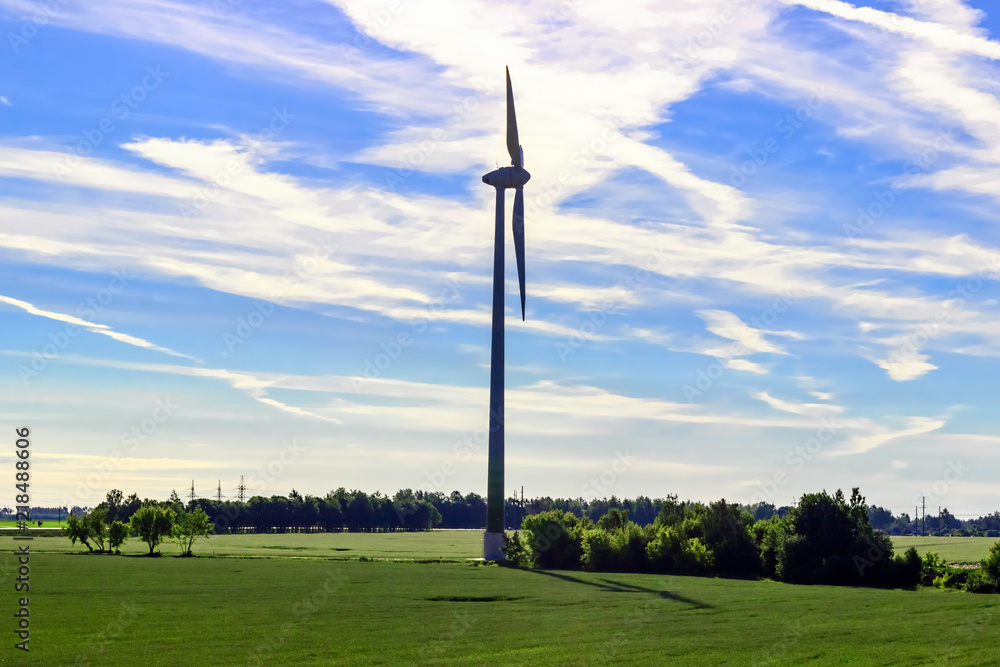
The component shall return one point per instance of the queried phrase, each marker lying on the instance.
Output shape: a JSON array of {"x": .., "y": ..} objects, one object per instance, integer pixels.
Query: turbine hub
[{"x": 507, "y": 177}]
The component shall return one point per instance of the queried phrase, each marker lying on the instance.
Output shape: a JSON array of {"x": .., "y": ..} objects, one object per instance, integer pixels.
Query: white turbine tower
[{"x": 514, "y": 176}]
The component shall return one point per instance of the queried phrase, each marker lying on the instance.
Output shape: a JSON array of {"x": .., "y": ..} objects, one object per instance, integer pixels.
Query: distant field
[
  {"x": 446, "y": 544},
  {"x": 438, "y": 544},
  {"x": 45, "y": 524},
  {"x": 103, "y": 610},
  {"x": 951, "y": 549}
]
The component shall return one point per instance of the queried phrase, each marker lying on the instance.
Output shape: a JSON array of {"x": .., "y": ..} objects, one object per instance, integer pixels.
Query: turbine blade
[
  {"x": 518, "y": 224},
  {"x": 513, "y": 145}
]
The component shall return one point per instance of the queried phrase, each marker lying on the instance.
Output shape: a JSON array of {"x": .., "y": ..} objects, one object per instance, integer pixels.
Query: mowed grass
[
  {"x": 438, "y": 544},
  {"x": 951, "y": 549},
  {"x": 103, "y": 610}
]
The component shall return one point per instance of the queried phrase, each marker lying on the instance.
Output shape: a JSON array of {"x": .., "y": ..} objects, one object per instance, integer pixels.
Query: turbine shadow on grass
[{"x": 619, "y": 587}]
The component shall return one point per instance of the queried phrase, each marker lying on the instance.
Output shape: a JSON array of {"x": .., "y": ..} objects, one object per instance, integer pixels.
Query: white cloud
[
  {"x": 817, "y": 410},
  {"x": 866, "y": 443},
  {"x": 102, "y": 329}
]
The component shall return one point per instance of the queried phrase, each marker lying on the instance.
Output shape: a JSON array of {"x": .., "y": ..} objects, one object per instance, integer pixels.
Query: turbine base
[{"x": 492, "y": 543}]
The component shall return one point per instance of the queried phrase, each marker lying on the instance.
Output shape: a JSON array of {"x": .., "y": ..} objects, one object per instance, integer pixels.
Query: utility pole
[
  {"x": 242, "y": 489},
  {"x": 218, "y": 492},
  {"x": 916, "y": 517},
  {"x": 192, "y": 490},
  {"x": 923, "y": 525}
]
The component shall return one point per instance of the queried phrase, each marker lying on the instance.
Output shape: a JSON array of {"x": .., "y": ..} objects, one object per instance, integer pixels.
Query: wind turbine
[{"x": 514, "y": 176}]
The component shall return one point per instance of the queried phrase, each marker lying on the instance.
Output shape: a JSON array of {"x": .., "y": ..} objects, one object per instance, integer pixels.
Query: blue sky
[{"x": 761, "y": 254}]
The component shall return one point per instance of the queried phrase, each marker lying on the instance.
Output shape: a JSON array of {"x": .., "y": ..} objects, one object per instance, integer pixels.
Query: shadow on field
[{"x": 619, "y": 587}]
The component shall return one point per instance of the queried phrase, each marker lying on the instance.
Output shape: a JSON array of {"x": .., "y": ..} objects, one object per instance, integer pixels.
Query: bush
[
  {"x": 769, "y": 535},
  {"x": 953, "y": 578},
  {"x": 696, "y": 558},
  {"x": 907, "y": 569},
  {"x": 515, "y": 551},
  {"x": 725, "y": 531},
  {"x": 599, "y": 551},
  {"x": 991, "y": 564},
  {"x": 669, "y": 550},
  {"x": 556, "y": 539},
  {"x": 980, "y": 581},
  {"x": 932, "y": 568},
  {"x": 664, "y": 548}
]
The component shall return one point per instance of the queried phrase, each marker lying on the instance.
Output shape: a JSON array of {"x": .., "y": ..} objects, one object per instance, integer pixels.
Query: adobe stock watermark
[
  {"x": 275, "y": 468},
  {"x": 223, "y": 178},
  {"x": 463, "y": 449},
  {"x": 935, "y": 493},
  {"x": 460, "y": 113},
  {"x": 264, "y": 652},
  {"x": 120, "y": 109},
  {"x": 378, "y": 20},
  {"x": 31, "y": 25},
  {"x": 302, "y": 267},
  {"x": 796, "y": 459},
  {"x": 710, "y": 33},
  {"x": 601, "y": 484},
  {"x": 706, "y": 377},
  {"x": 596, "y": 320},
  {"x": 88, "y": 310},
  {"x": 913, "y": 343},
  {"x": 391, "y": 350},
  {"x": 884, "y": 200},
  {"x": 97, "y": 644},
  {"x": 787, "y": 126},
  {"x": 97, "y": 480}
]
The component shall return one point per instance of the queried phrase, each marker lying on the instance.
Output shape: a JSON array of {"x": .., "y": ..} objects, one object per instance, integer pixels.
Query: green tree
[
  {"x": 117, "y": 534},
  {"x": 96, "y": 527},
  {"x": 614, "y": 520},
  {"x": 75, "y": 529},
  {"x": 671, "y": 511},
  {"x": 152, "y": 524},
  {"x": 189, "y": 527},
  {"x": 115, "y": 499},
  {"x": 991, "y": 564}
]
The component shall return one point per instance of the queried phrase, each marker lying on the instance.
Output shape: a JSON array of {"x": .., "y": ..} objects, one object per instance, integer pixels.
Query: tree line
[
  {"x": 825, "y": 539},
  {"x": 105, "y": 528},
  {"x": 408, "y": 510}
]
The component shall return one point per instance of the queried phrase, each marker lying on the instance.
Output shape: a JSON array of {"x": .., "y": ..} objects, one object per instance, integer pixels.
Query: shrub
[
  {"x": 769, "y": 535},
  {"x": 664, "y": 548},
  {"x": 907, "y": 569},
  {"x": 725, "y": 531},
  {"x": 980, "y": 581},
  {"x": 515, "y": 551},
  {"x": 953, "y": 578},
  {"x": 696, "y": 558},
  {"x": 991, "y": 564},
  {"x": 932, "y": 568},
  {"x": 599, "y": 551},
  {"x": 556, "y": 539}
]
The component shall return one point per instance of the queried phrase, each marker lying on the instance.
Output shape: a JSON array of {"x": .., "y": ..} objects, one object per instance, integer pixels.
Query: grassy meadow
[
  {"x": 293, "y": 605},
  {"x": 229, "y": 611}
]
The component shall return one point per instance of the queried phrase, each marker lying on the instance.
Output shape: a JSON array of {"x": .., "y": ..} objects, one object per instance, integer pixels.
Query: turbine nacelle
[{"x": 507, "y": 177}]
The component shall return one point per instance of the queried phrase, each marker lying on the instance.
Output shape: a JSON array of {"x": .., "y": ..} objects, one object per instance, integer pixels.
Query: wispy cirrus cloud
[{"x": 102, "y": 329}]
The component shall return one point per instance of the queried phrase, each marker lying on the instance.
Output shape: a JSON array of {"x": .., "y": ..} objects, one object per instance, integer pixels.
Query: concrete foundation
[{"x": 492, "y": 542}]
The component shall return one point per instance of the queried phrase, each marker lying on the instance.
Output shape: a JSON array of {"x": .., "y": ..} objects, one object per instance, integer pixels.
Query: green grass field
[
  {"x": 438, "y": 544},
  {"x": 120, "y": 610},
  {"x": 951, "y": 549}
]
